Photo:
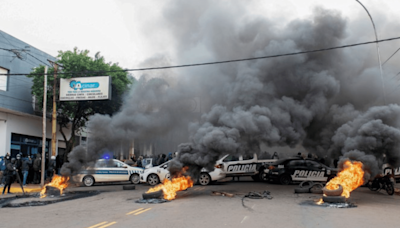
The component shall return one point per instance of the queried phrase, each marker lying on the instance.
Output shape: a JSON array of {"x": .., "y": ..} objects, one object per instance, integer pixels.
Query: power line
[
  {"x": 219, "y": 62},
  {"x": 37, "y": 58},
  {"x": 390, "y": 56}
]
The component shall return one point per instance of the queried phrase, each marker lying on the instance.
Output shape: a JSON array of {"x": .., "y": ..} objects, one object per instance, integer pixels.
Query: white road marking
[{"x": 245, "y": 217}]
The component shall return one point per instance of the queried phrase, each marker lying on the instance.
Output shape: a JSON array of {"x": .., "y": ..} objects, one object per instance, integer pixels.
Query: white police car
[
  {"x": 157, "y": 174},
  {"x": 286, "y": 171},
  {"x": 108, "y": 170}
]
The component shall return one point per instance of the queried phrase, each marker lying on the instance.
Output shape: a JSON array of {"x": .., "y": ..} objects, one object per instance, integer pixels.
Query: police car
[
  {"x": 108, "y": 170},
  {"x": 158, "y": 174},
  {"x": 244, "y": 165},
  {"x": 286, "y": 171},
  {"x": 387, "y": 169}
]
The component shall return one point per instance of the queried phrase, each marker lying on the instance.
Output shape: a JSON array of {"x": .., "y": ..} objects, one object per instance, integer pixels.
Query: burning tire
[
  {"x": 135, "y": 178},
  {"x": 204, "y": 179},
  {"x": 153, "y": 179},
  {"x": 334, "y": 192},
  {"x": 88, "y": 181},
  {"x": 285, "y": 179},
  {"x": 153, "y": 195}
]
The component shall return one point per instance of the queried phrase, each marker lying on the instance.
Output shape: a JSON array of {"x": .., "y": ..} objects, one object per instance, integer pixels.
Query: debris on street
[
  {"x": 216, "y": 193},
  {"x": 256, "y": 195}
]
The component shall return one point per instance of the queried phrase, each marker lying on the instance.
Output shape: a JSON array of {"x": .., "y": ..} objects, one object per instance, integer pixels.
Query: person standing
[
  {"x": 37, "y": 168},
  {"x": 139, "y": 161},
  {"x": 18, "y": 165},
  {"x": 2, "y": 169},
  {"x": 10, "y": 170},
  {"x": 52, "y": 167},
  {"x": 26, "y": 162}
]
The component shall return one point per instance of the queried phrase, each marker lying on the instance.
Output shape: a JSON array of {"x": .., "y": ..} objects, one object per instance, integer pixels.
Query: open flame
[
  {"x": 350, "y": 178},
  {"x": 60, "y": 182},
  {"x": 170, "y": 187}
]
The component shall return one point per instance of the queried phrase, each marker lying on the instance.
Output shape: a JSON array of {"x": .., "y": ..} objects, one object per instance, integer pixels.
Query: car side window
[
  {"x": 231, "y": 158},
  {"x": 248, "y": 157},
  {"x": 165, "y": 165},
  {"x": 313, "y": 164},
  {"x": 120, "y": 165},
  {"x": 296, "y": 163},
  {"x": 100, "y": 164}
]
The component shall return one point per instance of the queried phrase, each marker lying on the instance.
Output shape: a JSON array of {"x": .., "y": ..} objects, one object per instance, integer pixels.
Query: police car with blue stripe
[
  {"x": 108, "y": 170},
  {"x": 286, "y": 171}
]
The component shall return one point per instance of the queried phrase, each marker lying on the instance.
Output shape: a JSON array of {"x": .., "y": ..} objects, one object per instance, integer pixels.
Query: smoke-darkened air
[{"x": 330, "y": 103}]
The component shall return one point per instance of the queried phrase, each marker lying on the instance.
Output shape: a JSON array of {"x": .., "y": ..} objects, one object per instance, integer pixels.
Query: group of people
[{"x": 25, "y": 169}]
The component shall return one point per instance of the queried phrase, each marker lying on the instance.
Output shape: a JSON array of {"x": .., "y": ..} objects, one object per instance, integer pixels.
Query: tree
[{"x": 75, "y": 114}]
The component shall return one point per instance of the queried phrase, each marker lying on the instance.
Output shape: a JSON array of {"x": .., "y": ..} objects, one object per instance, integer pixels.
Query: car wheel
[
  {"x": 285, "y": 179},
  {"x": 153, "y": 179},
  {"x": 88, "y": 181},
  {"x": 263, "y": 176},
  {"x": 204, "y": 179},
  {"x": 390, "y": 189},
  {"x": 135, "y": 178}
]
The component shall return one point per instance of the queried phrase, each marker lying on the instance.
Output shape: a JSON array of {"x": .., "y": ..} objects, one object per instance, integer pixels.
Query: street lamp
[{"x": 377, "y": 50}]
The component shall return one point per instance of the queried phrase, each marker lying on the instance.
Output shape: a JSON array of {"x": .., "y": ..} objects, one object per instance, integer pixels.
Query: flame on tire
[
  {"x": 171, "y": 187},
  {"x": 350, "y": 178}
]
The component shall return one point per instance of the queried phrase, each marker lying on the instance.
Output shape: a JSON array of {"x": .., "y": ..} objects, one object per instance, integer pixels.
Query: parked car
[
  {"x": 386, "y": 169},
  {"x": 244, "y": 165},
  {"x": 158, "y": 174},
  {"x": 108, "y": 170},
  {"x": 286, "y": 171}
]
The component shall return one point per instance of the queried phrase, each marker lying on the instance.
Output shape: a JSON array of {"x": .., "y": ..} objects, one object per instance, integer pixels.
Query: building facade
[{"x": 20, "y": 122}]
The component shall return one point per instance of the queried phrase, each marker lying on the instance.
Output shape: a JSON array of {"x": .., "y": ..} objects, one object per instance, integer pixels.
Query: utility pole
[
  {"x": 54, "y": 115},
  {"x": 377, "y": 50},
  {"x": 44, "y": 127}
]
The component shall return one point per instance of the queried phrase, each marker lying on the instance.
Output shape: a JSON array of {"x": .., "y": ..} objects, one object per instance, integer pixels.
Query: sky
[{"x": 130, "y": 31}]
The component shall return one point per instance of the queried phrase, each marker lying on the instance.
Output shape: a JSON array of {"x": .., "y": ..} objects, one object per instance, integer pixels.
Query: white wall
[{"x": 24, "y": 125}]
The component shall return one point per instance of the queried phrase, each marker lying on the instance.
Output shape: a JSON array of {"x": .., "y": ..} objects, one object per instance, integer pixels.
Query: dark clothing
[
  {"x": 18, "y": 163},
  {"x": 139, "y": 163},
  {"x": 51, "y": 168},
  {"x": 25, "y": 164},
  {"x": 37, "y": 168},
  {"x": 37, "y": 164},
  {"x": 9, "y": 174}
]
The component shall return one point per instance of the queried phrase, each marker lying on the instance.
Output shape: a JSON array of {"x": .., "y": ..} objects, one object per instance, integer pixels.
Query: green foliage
[{"x": 74, "y": 114}]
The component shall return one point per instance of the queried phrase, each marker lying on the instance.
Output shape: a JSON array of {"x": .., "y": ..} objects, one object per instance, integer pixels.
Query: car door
[
  {"x": 317, "y": 172},
  {"x": 99, "y": 171},
  {"x": 163, "y": 171},
  {"x": 229, "y": 163},
  {"x": 297, "y": 169},
  {"x": 115, "y": 171}
]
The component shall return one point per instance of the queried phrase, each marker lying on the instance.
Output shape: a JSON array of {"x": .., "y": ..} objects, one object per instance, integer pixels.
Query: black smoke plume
[{"x": 328, "y": 102}]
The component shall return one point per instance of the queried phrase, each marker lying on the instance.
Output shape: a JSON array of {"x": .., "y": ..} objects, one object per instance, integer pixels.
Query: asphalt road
[{"x": 198, "y": 207}]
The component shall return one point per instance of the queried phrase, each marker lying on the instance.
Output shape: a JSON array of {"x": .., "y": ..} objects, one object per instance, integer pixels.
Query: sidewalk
[{"x": 16, "y": 189}]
